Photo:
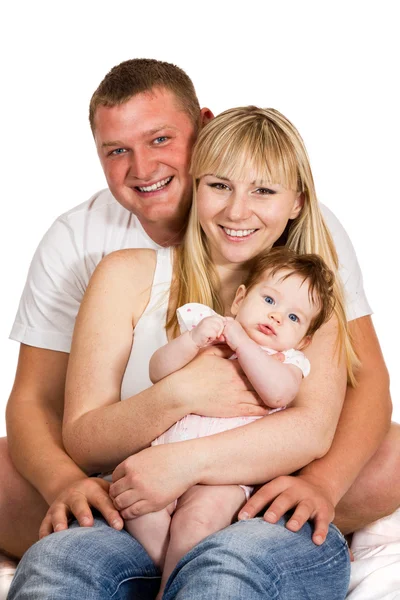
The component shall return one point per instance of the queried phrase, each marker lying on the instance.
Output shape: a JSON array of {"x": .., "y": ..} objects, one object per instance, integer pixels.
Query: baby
[{"x": 277, "y": 310}]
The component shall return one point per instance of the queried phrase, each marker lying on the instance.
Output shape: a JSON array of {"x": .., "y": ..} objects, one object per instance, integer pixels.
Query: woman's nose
[{"x": 237, "y": 208}]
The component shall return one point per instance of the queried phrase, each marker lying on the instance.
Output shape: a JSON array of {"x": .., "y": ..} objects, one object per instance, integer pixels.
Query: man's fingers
[
  {"x": 80, "y": 508},
  {"x": 279, "y": 507},
  {"x": 259, "y": 501},
  {"x": 304, "y": 511},
  {"x": 321, "y": 526},
  {"x": 103, "y": 503},
  {"x": 46, "y": 528}
]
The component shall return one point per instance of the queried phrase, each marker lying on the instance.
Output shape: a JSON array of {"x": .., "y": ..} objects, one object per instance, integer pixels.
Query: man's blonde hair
[
  {"x": 140, "y": 75},
  {"x": 251, "y": 143}
]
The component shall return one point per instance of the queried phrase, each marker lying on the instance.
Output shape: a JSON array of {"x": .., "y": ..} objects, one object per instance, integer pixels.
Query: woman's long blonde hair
[{"x": 262, "y": 144}]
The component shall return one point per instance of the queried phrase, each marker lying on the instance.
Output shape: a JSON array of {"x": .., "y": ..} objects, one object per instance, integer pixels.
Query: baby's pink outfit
[{"x": 196, "y": 426}]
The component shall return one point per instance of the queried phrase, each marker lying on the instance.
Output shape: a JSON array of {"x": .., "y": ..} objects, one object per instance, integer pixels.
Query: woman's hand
[
  {"x": 153, "y": 478},
  {"x": 76, "y": 501},
  {"x": 309, "y": 501}
]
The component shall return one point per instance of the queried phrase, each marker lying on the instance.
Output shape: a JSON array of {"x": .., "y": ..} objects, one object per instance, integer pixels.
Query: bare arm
[
  {"x": 364, "y": 422},
  {"x": 34, "y": 417},
  {"x": 179, "y": 352},
  {"x": 276, "y": 445},
  {"x": 365, "y": 417},
  {"x": 100, "y": 431},
  {"x": 276, "y": 383}
]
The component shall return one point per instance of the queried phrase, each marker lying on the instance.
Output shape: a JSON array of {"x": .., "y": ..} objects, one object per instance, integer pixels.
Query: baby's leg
[
  {"x": 201, "y": 511},
  {"x": 152, "y": 531}
]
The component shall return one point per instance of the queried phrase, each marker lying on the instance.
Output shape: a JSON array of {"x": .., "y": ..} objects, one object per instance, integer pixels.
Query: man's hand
[
  {"x": 151, "y": 479},
  {"x": 76, "y": 501},
  {"x": 309, "y": 501},
  {"x": 207, "y": 331}
]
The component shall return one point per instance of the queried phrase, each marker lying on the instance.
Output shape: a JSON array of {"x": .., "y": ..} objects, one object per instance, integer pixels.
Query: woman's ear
[
  {"x": 297, "y": 206},
  {"x": 239, "y": 297}
]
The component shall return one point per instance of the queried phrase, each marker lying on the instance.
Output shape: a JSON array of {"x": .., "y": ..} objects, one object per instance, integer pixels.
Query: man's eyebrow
[
  {"x": 146, "y": 133},
  {"x": 114, "y": 143}
]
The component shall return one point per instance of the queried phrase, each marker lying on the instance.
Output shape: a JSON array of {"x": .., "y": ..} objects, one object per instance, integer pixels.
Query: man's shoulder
[{"x": 101, "y": 204}]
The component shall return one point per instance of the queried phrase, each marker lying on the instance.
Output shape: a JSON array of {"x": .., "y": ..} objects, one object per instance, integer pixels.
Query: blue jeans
[{"x": 249, "y": 560}]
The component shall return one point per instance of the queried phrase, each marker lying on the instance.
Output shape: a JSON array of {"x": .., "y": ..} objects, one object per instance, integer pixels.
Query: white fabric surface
[{"x": 375, "y": 572}]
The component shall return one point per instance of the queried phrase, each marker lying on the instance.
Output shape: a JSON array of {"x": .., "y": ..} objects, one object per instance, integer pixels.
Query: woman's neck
[{"x": 231, "y": 276}]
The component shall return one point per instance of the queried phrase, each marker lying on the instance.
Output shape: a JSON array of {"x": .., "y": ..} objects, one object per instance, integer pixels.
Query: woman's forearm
[{"x": 101, "y": 438}]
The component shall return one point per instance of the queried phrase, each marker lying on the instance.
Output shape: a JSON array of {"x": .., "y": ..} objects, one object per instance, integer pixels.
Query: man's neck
[{"x": 165, "y": 234}]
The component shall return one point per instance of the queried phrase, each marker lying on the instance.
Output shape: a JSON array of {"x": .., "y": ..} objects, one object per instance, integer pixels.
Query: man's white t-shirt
[{"x": 77, "y": 241}]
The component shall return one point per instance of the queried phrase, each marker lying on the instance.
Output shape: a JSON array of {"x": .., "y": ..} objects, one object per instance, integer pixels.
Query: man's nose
[
  {"x": 237, "y": 208},
  {"x": 143, "y": 165},
  {"x": 276, "y": 317}
]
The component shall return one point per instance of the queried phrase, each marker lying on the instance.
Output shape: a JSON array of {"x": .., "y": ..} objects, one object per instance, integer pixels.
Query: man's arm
[
  {"x": 34, "y": 417},
  {"x": 363, "y": 424}
]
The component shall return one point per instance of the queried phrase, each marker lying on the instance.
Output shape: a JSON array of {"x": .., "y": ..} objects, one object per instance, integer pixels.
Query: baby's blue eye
[
  {"x": 293, "y": 317},
  {"x": 269, "y": 300}
]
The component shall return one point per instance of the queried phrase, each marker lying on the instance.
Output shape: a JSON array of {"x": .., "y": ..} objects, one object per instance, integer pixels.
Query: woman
[{"x": 254, "y": 189}]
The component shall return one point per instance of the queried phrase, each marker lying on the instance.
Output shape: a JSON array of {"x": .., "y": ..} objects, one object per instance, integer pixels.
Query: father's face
[{"x": 144, "y": 147}]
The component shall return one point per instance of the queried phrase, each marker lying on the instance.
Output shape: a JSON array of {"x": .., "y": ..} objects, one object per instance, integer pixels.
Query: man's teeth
[
  {"x": 238, "y": 232},
  {"x": 155, "y": 186}
]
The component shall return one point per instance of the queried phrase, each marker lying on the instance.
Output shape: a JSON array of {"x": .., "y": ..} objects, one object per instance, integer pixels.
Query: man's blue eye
[
  {"x": 269, "y": 300},
  {"x": 160, "y": 139},
  {"x": 293, "y": 317},
  {"x": 118, "y": 151}
]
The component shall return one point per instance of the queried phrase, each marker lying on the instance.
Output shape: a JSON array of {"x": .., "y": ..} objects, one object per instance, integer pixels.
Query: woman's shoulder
[{"x": 129, "y": 269}]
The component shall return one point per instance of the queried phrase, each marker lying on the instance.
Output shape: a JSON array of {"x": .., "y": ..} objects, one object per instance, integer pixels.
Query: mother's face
[{"x": 242, "y": 218}]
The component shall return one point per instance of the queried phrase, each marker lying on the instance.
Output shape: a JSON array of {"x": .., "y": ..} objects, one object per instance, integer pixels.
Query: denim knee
[
  {"x": 85, "y": 562},
  {"x": 256, "y": 560}
]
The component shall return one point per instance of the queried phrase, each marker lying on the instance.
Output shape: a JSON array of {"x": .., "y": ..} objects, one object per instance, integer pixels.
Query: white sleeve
[
  {"x": 53, "y": 291},
  {"x": 189, "y": 315},
  {"x": 349, "y": 270},
  {"x": 297, "y": 358}
]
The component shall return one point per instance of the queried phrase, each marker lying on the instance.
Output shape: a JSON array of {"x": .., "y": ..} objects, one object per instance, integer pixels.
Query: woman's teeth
[
  {"x": 155, "y": 186},
  {"x": 238, "y": 232}
]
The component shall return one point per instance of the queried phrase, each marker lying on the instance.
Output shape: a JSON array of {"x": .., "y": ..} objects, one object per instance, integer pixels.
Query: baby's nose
[{"x": 276, "y": 317}]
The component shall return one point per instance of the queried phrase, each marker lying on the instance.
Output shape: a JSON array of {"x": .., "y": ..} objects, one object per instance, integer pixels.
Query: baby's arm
[
  {"x": 179, "y": 352},
  {"x": 276, "y": 383}
]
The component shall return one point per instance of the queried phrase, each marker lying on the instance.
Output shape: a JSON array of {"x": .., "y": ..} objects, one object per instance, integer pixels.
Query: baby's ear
[
  {"x": 306, "y": 341},
  {"x": 239, "y": 297}
]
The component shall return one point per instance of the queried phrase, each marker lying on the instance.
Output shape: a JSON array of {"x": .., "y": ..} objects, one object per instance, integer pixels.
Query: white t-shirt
[{"x": 77, "y": 241}]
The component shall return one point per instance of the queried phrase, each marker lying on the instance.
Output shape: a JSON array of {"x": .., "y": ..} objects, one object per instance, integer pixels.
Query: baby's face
[{"x": 276, "y": 312}]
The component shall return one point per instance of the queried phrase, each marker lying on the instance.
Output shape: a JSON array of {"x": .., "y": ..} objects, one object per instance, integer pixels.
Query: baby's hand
[
  {"x": 207, "y": 331},
  {"x": 234, "y": 334}
]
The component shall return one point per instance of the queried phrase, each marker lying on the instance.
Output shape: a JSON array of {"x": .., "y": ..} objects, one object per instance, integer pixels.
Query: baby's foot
[{"x": 7, "y": 570}]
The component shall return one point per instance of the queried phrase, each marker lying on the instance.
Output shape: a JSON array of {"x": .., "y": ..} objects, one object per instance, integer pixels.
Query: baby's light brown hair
[{"x": 311, "y": 267}]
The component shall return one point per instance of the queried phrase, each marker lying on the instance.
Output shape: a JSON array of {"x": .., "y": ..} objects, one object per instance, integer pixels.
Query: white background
[{"x": 332, "y": 68}]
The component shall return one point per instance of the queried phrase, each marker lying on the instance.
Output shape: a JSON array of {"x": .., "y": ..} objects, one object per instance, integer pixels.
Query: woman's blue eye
[
  {"x": 293, "y": 317},
  {"x": 269, "y": 300}
]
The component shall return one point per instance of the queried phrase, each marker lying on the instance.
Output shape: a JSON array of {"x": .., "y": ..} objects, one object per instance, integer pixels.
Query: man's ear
[
  {"x": 306, "y": 341},
  {"x": 297, "y": 206},
  {"x": 205, "y": 116},
  {"x": 239, "y": 297}
]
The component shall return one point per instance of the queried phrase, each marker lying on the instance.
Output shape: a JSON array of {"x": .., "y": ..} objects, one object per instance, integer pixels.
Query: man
[{"x": 145, "y": 117}]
